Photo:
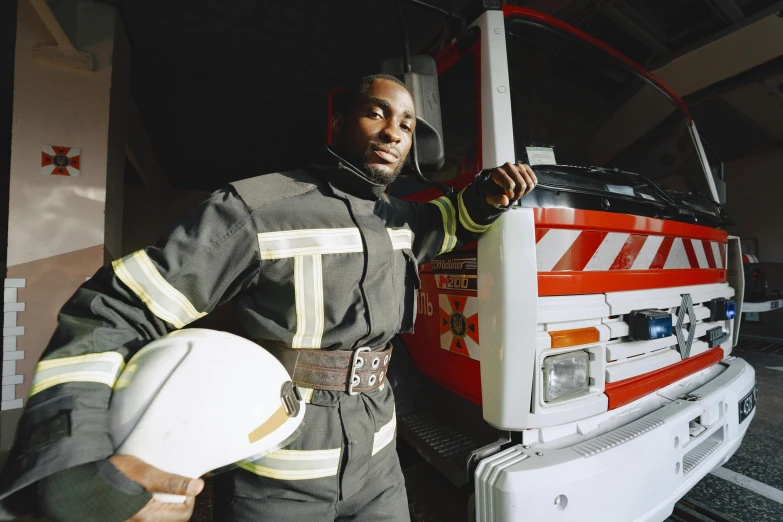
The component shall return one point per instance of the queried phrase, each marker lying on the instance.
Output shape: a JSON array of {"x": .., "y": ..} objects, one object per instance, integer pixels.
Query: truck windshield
[{"x": 577, "y": 106}]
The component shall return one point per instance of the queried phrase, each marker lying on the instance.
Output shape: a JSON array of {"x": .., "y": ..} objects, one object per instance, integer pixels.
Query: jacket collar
[{"x": 345, "y": 177}]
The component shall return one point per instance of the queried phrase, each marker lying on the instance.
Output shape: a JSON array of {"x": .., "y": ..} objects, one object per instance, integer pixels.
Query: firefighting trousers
[{"x": 343, "y": 466}]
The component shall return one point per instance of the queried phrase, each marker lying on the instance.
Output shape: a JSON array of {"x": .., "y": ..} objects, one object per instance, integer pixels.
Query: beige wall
[
  {"x": 57, "y": 106},
  {"x": 755, "y": 199}
]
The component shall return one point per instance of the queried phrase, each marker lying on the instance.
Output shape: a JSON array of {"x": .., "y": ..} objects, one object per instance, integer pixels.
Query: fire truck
[{"x": 575, "y": 363}]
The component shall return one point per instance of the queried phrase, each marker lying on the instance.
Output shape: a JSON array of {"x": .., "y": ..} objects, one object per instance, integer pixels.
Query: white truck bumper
[{"x": 633, "y": 473}]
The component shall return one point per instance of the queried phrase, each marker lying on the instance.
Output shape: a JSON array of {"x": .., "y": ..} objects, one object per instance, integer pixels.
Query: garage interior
[{"x": 223, "y": 90}]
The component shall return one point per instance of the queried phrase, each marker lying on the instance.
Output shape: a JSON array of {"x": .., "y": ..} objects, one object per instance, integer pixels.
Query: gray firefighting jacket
[{"x": 314, "y": 258}]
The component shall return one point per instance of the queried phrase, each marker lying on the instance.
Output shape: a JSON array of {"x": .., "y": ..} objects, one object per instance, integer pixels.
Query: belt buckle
[{"x": 354, "y": 359}]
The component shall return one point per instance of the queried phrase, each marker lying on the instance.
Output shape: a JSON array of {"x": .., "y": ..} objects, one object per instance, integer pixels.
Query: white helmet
[{"x": 197, "y": 400}]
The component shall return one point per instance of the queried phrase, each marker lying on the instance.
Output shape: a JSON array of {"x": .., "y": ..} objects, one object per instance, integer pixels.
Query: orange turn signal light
[{"x": 566, "y": 338}]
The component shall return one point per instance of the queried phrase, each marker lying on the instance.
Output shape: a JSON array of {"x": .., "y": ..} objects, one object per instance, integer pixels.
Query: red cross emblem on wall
[{"x": 60, "y": 161}]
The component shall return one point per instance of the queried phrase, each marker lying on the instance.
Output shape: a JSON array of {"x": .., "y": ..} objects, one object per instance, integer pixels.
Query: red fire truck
[{"x": 577, "y": 360}]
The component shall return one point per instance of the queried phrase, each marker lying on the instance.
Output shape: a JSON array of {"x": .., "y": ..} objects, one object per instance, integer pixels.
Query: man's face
[{"x": 376, "y": 132}]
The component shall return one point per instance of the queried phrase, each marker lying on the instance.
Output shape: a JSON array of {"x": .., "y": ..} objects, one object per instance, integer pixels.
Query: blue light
[
  {"x": 645, "y": 325},
  {"x": 731, "y": 310},
  {"x": 659, "y": 327},
  {"x": 722, "y": 309}
]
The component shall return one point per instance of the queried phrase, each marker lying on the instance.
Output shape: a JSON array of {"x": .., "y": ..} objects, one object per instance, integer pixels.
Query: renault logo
[{"x": 683, "y": 343}]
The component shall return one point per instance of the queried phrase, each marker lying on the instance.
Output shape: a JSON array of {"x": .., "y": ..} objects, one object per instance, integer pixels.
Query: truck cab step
[{"x": 439, "y": 443}]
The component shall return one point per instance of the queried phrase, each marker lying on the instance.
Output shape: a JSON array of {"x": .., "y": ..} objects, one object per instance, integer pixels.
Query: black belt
[{"x": 357, "y": 371}]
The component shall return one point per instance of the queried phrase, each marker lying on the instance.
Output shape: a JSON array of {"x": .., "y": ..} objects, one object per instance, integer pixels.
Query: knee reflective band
[
  {"x": 198, "y": 400},
  {"x": 296, "y": 464},
  {"x": 384, "y": 435},
  {"x": 311, "y": 464}
]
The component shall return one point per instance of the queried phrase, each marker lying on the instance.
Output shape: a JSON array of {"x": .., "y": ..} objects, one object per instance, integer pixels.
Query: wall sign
[{"x": 60, "y": 161}]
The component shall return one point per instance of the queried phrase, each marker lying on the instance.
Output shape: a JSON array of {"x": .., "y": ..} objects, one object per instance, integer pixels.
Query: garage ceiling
[{"x": 234, "y": 88}]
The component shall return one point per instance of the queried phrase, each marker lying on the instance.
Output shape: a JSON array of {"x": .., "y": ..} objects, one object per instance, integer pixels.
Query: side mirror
[{"x": 422, "y": 81}]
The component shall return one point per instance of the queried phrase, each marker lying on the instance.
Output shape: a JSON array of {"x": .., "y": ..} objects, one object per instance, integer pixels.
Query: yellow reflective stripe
[
  {"x": 140, "y": 275},
  {"x": 384, "y": 435},
  {"x": 299, "y": 302},
  {"x": 295, "y": 464},
  {"x": 289, "y": 474},
  {"x": 172, "y": 293},
  {"x": 400, "y": 238},
  {"x": 124, "y": 275},
  {"x": 102, "y": 368},
  {"x": 98, "y": 377},
  {"x": 449, "y": 223},
  {"x": 318, "y": 297},
  {"x": 309, "y": 301},
  {"x": 293, "y": 243},
  {"x": 108, "y": 357},
  {"x": 466, "y": 220},
  {"x": 284, "y": 454}
]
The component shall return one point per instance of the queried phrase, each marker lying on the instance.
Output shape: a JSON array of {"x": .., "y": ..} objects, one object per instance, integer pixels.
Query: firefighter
[{"x": 322, "y": 267}]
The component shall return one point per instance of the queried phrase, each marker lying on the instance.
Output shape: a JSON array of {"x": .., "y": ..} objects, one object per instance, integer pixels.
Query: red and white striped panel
[
  {"x": 747, "y": 258},
  {"x": 569, "y": 250}
]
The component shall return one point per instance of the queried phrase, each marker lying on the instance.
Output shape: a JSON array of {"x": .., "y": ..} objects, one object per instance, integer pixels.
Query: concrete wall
[{"x": 755, "y": 199}]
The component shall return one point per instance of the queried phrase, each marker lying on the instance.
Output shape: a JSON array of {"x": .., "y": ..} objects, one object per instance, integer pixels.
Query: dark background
[{"x": 233, "y": 88}]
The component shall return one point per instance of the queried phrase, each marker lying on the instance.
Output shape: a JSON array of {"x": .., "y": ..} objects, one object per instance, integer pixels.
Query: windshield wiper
[
  {"x": 650, "y": 183},
  {"x": 724, "y": 215},
  {"x": 662, "y": 195}
]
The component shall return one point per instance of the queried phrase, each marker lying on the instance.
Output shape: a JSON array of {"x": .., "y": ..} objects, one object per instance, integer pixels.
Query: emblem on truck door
[
  {"x": 684, "y": 343},
  {"x": 459, "y": 324}
]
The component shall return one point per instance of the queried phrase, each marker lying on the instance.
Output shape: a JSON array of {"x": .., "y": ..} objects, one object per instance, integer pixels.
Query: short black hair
[{"x": 362, "y": 86}]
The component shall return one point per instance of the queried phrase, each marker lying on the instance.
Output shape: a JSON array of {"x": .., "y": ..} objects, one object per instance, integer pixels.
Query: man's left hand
[{"x": 514, "y": 180}]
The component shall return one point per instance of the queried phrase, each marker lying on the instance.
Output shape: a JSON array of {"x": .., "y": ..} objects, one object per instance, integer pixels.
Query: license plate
[{"x": 747, "y": 403}]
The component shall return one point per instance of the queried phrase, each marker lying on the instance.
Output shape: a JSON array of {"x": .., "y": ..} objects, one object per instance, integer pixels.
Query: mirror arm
[
  {"x": 406, "y": 49},
  {"x": 414, "y": 157},
  {"x": 406, "y": 68}
]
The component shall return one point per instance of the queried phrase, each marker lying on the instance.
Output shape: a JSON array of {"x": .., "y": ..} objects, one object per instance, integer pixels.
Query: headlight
[{"x": 566, "y": 374}]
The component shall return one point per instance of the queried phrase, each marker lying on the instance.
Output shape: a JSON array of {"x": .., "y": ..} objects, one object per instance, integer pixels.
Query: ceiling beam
[
  {"x": 64, "y": 53},
  {"x": 625, "y": 22},
  {"x": 141, "y": 154},
  {"x": 729, "y": 8},
  {"x": 758, "y": 74},
  {"x": 724, "y": 58},
  {"x": 735, "y": 27},
  {"x": 50, "y": 21}
]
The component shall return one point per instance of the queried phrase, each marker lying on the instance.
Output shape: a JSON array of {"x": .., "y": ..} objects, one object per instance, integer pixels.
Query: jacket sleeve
[
  {"x": 450, "y": 222},
  {"x": 206, "y": 259}
]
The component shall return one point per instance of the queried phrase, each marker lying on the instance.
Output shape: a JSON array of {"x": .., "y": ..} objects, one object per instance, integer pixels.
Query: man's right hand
[{"x": 156, "y": 481}]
